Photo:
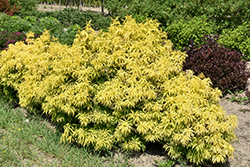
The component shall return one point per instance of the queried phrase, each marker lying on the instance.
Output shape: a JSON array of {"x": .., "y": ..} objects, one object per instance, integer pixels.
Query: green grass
[{"x": 26, "y": 140}]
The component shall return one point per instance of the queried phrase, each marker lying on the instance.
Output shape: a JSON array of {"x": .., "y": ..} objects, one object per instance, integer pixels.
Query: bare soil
[{"x": 44, "y": 8}]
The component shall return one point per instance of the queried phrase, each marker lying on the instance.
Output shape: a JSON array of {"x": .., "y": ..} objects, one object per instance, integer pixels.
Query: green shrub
[
  {"x": 114, "y": 6},
  {"x": 182, "y": 31},
  {"x": 238, "y": 39},
  {"x": 49, "y": 23},
  {"x": 30, "y": 23},
  {"x": 70, "y": 17},
  {"x": 13, "y": 23},
  {"x": 141, "y": 8},
  {"x": 25, "y": 5},
  {"x": 226, "y": 14},
  {"x": 125, "y": 88},
  {"x": 69, "y": 34}
]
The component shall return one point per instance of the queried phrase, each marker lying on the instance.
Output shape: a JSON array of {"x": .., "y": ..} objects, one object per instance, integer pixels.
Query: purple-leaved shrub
[
  {"x": 7, "y": 38},
  {"x": 223, "y": 66}
]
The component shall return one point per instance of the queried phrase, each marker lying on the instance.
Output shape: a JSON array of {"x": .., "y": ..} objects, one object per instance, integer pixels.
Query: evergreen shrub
[
  {"x": 224, "y": 67},
  {"x": 125, "y": 88},
  {"x": 238, "y": 39}
]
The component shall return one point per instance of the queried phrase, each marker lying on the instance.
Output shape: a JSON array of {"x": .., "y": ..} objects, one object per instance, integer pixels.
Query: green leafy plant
[
  {"x": 140, "y": 17},
  {"x": 114, "y": 6},
  {"x": 25, "y": 5},
  {"x": 49, "y": 23},
  {"x": 30, "y": 19},
  {"x": 181, "y": 32},
  {"x": 69, "y": 17},
  {"x": 164, "y": 163},
  {"x": 223, "y": 14},
  {"x": 14, "y": 24},
  {"x": 68, "y": 36},
  {"x": 182, "y": 162},
  {"x": 234, "y": 97},
  {"x": 238, "y": 39}
]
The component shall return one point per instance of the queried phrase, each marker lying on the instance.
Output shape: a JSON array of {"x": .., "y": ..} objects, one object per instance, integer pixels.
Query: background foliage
[
  {"x": 226, "y": 13},
  {"x": 182, "y": 31},
  {"x": 62, "y": 24},
  {"x": 6, "y": 7},
  {"x": 69, "y": 17},
  {"x": 238, "y": 39},
  {"x": 25, "y": 5}
]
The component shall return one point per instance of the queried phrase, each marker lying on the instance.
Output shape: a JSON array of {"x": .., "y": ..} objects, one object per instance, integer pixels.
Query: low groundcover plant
[{"x": 125, "y": 88}]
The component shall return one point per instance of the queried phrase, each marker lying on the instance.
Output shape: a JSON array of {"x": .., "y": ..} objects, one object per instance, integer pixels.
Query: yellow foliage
[{"x": 123, "y": 87}]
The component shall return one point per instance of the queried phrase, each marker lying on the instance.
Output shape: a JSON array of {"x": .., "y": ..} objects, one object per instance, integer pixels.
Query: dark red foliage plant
[
  {"x": 224, "y": 67},
  {"x": 5, "y": 7},
  {"x": 7, "y": 38}
]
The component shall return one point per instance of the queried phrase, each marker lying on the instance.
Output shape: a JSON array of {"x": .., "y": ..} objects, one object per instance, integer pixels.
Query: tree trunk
[
  {"x": 80, "y": 6},
  {"x": 70, "y": 4},
  {"x": 66, "y": 3},
  {"x": 102, "y": 7},
  {"x": 60, "y": 5}
]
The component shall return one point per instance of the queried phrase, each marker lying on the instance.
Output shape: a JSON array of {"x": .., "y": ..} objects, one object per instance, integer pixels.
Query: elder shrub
[{"x": 121, "y": 88}]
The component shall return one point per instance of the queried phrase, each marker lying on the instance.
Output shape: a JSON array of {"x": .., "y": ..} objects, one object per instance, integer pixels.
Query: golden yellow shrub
[{"x": 124, "y": 87}]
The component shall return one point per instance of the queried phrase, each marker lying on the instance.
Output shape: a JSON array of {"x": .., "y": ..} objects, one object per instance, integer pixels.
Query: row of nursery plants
[
  {"x": 227, "y": 20},
  {"x": 17, "y": 6},
  {"x": 88, "y": 3},
  {"x": 226, "y": 14},
  {"x": 122, "y": 88},
  {"x": 72, "y": 16},
  {"x": 62, "y": 25}
]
